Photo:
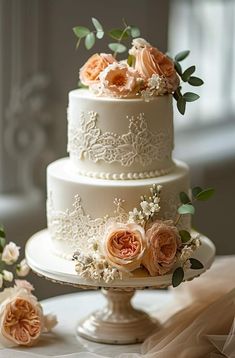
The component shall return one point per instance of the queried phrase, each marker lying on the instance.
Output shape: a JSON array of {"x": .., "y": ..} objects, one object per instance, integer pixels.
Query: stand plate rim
[{"x": 44, "y": 263}]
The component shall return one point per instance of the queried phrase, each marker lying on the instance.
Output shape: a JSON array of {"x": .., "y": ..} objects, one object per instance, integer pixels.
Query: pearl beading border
[{"x": 125, "y": 176}]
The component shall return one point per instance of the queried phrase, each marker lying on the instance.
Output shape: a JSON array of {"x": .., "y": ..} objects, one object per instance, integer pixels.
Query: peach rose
[
  {"x": 91, "y": 70},
  {"x": 124, "y": 245},
  {"x": 21, "y": 318},
  {"x": 163, "y": 241},
  {"x": 149, "y": 61},
  {"x": 120, "y": 80}
]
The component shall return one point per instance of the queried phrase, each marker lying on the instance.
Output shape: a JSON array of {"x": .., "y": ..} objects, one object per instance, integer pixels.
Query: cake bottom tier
[{"x": 80, "y": 208}]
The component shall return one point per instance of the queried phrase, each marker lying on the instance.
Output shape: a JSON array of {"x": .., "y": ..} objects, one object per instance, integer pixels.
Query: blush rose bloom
[
  {"x": 10, "y": 253},
  {"x": 89, "y": 73},
  {"x": 21, "y": 316},
  {"x": 124, "y": 246},
  {"x": 163, "y": 241},
  {"x": 22, "y": 269},
  {"x": 120, "y": 80},
  {"x": 149, "y": 61}
]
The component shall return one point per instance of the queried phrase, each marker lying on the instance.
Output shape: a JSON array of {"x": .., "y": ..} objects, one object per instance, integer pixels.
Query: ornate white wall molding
[
  {"x": 24, "y": 116},
  {"x": 23, "y": 100}
]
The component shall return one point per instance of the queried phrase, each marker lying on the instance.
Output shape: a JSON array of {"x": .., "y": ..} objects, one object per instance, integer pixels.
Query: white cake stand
[{"x": 118, "y": 322}]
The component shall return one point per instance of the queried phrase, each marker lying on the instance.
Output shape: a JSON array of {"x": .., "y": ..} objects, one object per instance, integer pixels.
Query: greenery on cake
[
  {"x": 187, "y": 207},
  {"x": 144, "y": 240},
  {"x": 146, "y": 72}
]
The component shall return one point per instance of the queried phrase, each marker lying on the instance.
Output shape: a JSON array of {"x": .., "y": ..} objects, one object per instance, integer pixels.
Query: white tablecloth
[{"x": 73, "y": 307}]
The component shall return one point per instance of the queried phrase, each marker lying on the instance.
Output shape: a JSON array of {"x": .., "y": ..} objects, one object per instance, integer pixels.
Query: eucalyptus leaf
[
  {"x": 89, "y": 40},
  {"x": 100, "y": 34},
  {"x": 97, "y": 24},
  {"x": 176, "y": 96},
  {"x": 177, "y": 277},
  {"x": 195, "y": 264},
  {"x": 117, "y": 47},
  {"x": 98, "y": 27},
  {"x": 205, "y": 194},
  {"x": 182, "y": 55},
  {"x": 81, "y": 85},
  {"x": 118, "y": 34},
  {"x": 178, "y": 68},
  {"x": 2, "y": 244},
  {"x": 190, "y": 96},
  {"x": 181, "y": 104},
  {"x": 184, "y": 198},
  {"x": 186, "y": 209},
  {"x": 2, "y": 232},
  {"x": 81, "y": 31},
  {"x": 130, "y": 60},
  {"x": 187, "y": 73},
  {"x": 184, "y": 235},
  {"x": 195, "y": 81},
  {"x": 135, "y": 31},
  {"x": 196, "y": 190}
]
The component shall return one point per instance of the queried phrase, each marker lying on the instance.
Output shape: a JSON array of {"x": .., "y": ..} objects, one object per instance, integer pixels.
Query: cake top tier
[
  {"x": 121, "y": 125},
  {"x": 115, "y": 138},
  {"x": 145, "y": 72}
]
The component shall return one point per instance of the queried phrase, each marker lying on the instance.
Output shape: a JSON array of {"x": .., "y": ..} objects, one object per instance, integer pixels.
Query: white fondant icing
[
  {"x": 135, "y": 137},
  {"x": 79, "y": 207}
]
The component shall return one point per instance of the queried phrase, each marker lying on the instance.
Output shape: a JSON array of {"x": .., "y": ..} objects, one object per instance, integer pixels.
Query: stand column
[{"x": 118, "y": 322}]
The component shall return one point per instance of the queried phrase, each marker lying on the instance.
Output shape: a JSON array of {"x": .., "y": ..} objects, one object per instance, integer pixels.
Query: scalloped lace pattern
[
  {"x": 138, "y": 145},
  {"x": 76, "y": 227}
]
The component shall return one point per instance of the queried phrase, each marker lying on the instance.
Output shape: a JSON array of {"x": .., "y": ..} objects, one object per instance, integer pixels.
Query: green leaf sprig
[
  {"x": 89, "y": 35},
  {"x": 186, "y": 76},
  {"x": 117, "y": 34},
  {"x": 187, "y": 207},
  {"x": 198, "y": 194},
  {"x": 178, "y": 274},
  {"x": 2, "y": 239}
]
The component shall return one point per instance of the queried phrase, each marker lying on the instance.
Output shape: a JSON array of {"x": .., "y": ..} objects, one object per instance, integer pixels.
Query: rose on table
[{"x": 21, "y": 316}]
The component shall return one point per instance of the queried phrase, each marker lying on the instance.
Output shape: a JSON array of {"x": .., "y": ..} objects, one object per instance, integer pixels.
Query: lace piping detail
[
  {"x": 76, "y": 227},
  {"x": 138, "y": 145}
]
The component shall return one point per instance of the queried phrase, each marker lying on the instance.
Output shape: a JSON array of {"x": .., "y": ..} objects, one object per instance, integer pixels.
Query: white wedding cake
[{"x": 119, "y": 202}]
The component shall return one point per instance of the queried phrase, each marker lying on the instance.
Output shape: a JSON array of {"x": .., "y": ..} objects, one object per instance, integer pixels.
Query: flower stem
[
  {"x": 177, "y": 219},
  {"x": 120, "y": 38}
]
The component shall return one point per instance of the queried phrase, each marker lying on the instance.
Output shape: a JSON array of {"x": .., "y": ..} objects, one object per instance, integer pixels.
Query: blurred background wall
[{"x": 39, "y": 65}]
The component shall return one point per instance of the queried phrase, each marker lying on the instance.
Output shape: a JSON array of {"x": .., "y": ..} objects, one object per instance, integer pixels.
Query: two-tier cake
[{"x": 119, "y": 203}]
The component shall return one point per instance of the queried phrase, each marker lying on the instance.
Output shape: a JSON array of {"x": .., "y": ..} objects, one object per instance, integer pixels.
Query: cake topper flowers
[
  {"x": 21, "y": 316},
  {"x": 146, "y": 72}
]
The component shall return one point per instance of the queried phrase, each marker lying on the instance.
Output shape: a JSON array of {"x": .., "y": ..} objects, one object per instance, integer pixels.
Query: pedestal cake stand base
[{"x": 118, "y": 322}]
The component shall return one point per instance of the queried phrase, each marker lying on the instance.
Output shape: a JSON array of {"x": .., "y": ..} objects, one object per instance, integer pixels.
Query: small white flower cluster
[
  {"x": 156, "y": 86},
  {"x": 9, "y": 257},
  {"x": 118, "y": 204},
  {"x": 93, "y": 244},
  {"x": 148, "y": 207},
  {"x": 188, "y": 250},
  {"x": 95, "y": 267}
]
